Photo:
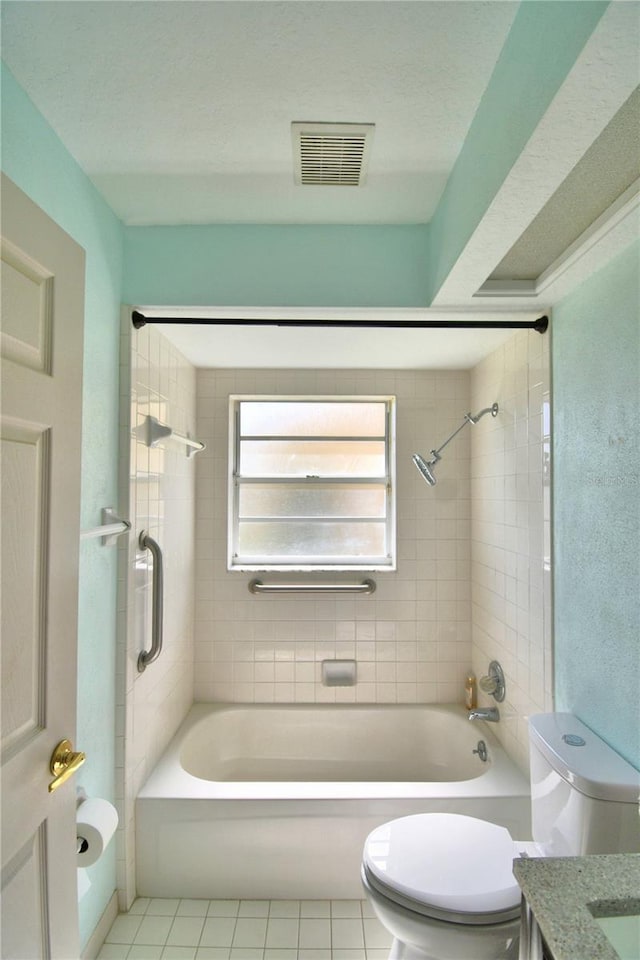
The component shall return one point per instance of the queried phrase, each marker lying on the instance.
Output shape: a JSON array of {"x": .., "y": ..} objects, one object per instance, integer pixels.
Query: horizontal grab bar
[
  {"x": 110, "y": 528},
  {"x": 258, "y": 587}
]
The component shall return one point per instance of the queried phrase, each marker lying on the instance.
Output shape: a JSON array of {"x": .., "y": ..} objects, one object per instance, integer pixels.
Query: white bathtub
[{"x": 275, "y": 802}]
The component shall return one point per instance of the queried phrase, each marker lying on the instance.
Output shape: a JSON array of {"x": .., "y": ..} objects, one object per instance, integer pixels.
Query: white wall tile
[
  {"x": 158, "y": 485},
  {"x": 433, "y": 526},
  {"x": 510, "y": 527}
]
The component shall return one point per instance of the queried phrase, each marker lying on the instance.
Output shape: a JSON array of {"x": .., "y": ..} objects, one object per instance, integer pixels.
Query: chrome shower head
[{"x": 425, "y": 468}]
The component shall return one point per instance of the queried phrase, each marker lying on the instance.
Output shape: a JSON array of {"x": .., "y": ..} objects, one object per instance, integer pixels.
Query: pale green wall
[
  {"x": 35, "y": 159},
  {"x": 543, "y": 44},
  {"x": 277, "y": 265},
  {"x": 596, "y": 466},
  {"x": 343, "y": 266}
]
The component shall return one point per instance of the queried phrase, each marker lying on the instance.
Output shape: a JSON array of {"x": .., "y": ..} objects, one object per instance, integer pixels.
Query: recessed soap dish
[{"x": 339, "y": 673}]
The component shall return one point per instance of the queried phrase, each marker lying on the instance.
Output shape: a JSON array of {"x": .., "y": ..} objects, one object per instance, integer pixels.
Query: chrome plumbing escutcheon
[
  {"x": 494, "y": 683},
  {"x": 481, "y": 750}
]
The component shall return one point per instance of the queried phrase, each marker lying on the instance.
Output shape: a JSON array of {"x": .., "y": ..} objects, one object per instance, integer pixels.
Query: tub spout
[{"x": 492, "y": 714}]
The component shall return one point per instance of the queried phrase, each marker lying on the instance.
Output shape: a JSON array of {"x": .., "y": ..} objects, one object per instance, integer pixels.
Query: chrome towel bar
[
  {"x": 258, "y": 587},
  {"x": 157, "y": 585},
  {"x": 154, "y": 432}
]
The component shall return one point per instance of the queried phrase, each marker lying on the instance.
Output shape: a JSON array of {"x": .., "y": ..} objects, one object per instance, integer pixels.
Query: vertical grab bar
[{"x": 157, "y": 585}]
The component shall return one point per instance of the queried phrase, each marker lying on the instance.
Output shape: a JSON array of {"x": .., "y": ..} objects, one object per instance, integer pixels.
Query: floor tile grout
[{"x": 349, "y": 917}]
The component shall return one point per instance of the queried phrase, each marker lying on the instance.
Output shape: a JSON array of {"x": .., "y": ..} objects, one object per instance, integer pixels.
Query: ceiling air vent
[{"x": 331, "y": 154}]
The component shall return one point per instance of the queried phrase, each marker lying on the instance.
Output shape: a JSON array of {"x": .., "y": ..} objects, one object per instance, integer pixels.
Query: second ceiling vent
[{"x": 331, "y": 154}]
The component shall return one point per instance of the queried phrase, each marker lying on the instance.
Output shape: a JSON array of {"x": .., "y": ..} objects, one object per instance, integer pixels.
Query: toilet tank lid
[{"x": 583, "y": 759}]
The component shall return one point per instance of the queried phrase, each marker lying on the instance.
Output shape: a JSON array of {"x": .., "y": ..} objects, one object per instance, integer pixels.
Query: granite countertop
[{"x": 567, "y": 893}]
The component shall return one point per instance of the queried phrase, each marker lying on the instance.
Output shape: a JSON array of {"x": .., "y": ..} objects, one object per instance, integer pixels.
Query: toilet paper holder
[{"x": 96, "y": 824}]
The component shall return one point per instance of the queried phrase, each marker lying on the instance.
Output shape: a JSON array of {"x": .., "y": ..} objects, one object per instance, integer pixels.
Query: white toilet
[{"x": 443, "y": 884}]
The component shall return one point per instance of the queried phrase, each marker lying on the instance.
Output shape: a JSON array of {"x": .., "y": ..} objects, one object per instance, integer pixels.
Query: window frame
[{"x": 388, "y": 562}]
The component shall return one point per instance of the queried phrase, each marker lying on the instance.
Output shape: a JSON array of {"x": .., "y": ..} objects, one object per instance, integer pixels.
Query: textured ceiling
[
  {"x": 180, "y": 112},
  {"x": 608, "y": 167}
]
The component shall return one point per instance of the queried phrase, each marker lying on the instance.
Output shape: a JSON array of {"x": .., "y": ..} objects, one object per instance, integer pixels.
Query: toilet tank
[{"x": 584, "y": 796}]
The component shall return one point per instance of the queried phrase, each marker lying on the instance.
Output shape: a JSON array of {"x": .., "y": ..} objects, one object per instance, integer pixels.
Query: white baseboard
[{"x": 104, "y": 924}]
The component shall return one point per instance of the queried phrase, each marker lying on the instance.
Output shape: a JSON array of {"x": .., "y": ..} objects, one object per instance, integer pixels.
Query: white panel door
[{"x": 41, "y": 347}]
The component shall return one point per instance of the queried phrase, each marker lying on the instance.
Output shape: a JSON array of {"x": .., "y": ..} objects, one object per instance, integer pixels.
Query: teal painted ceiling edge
[{"x": 277, "y": 265}]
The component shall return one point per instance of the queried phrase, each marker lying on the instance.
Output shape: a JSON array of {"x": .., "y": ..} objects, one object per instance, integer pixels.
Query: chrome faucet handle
[{"x": 494, "y": 683}]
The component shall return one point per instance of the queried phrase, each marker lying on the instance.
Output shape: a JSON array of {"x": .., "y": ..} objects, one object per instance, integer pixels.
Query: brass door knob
[{"x": 64, "y": 763}]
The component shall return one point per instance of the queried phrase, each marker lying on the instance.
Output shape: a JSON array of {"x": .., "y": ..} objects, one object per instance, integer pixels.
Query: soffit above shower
[{"x": 609, "y": 167}]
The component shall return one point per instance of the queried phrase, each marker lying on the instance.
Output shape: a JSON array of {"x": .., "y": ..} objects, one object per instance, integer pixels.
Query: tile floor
[{"x": 247, "y": 930}]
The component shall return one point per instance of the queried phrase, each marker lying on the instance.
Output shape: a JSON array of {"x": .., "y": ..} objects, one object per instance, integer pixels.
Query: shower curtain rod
[{"x": 139, "y": 320}]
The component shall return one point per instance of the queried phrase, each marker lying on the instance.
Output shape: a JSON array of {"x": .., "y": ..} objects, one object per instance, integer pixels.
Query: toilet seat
[{"x": 445, "y": 866}]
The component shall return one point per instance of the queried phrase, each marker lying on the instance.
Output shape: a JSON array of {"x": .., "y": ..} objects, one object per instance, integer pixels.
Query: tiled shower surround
[
  {"x": 411, "y": 638},
  {"x": 473, "y": 576},
  {"x": 510, "y": 533},
  {"x": 158, "y": 484}
]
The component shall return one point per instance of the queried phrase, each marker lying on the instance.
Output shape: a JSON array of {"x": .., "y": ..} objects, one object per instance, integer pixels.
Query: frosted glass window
[
  {"x": 295, "y": 418},
  {"x": 311, "y": 500},
  {"x": 311, "y": 483},
  {"x": 304, "y": 458},
  {"x": 310, "y": 540}
]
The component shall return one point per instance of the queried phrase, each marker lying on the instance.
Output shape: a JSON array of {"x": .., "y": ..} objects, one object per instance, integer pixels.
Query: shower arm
[
  {"x": 468, "y": 418},
  {"x": 436, "y": 453}
]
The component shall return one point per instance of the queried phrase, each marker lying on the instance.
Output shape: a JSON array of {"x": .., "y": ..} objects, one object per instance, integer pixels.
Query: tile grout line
[{"x": 332, "y": 950}]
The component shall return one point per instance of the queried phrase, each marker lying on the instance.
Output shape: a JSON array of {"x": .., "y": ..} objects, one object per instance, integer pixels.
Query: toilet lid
[{"x": 455, "y": 867}]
